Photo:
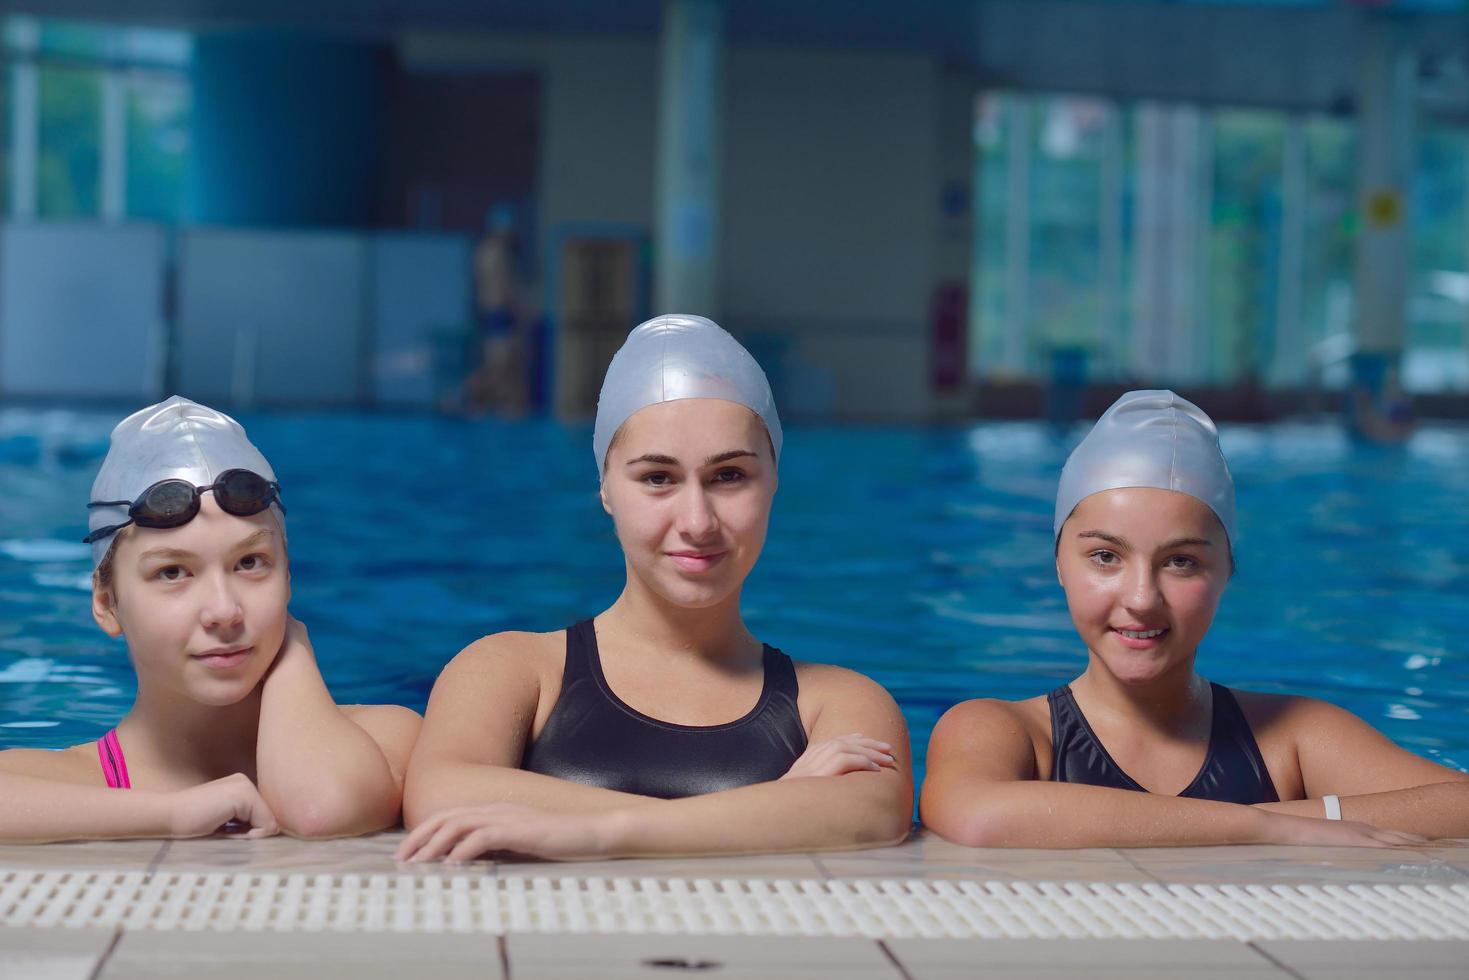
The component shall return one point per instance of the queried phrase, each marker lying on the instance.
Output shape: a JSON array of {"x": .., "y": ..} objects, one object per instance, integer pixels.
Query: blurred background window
[
  {"x": 102, "y": 113},
  {"x": 1208, "y": 247}
]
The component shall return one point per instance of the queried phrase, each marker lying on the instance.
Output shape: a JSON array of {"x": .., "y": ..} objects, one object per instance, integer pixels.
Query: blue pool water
[{"x": 921, "y": 556}]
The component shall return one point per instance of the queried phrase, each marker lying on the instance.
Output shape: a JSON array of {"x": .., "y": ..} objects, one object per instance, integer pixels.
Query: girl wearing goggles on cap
[
  {"x": 662, "y": 726},
  {"x": 1140, "y": 750},
  {"x": 232, "y": 727}
]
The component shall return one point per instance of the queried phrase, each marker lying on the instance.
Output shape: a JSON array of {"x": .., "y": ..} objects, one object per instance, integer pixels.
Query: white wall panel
[
  {"x": 272, "y": 317},
  {"x": 421, "y": 294},
  {"x": 81, "y": 311}
]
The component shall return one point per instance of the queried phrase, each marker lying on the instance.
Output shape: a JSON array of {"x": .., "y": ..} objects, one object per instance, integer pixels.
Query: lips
[
  {"x": 223, "y": 658},
  {"x": 1140, "y": 638},
  {"x": 696, "y": 561}
]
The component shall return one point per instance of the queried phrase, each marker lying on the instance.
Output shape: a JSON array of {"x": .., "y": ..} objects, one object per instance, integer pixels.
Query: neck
[
  {"x": 191, "y": 742},
  {"x": 1170, "y": 703},
  {"x": 715, "y": 633}
]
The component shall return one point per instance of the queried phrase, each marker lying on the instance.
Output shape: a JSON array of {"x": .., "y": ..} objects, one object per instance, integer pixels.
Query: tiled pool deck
[{"x": 130, "y": 909}]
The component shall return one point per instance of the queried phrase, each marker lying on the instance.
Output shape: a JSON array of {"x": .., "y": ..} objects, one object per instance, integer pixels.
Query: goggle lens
[{"x": 242, "y": 493}]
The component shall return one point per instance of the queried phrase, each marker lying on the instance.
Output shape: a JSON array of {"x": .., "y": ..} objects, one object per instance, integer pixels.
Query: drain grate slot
[{"x": 729, "y": 906}]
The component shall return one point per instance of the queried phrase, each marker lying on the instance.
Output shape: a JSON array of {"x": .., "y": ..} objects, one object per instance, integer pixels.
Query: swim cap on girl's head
[
  {"x": 673, "y": 357},
  {"x": 1150, "y": 439},
  {"x": 175, "y": 439}
]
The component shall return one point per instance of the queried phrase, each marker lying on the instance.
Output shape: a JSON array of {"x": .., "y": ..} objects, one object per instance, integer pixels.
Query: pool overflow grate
[{"x": 879, "y": 909}]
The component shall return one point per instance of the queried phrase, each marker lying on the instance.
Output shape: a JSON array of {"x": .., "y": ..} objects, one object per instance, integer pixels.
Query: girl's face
[
  {"x": 1143, "y": 571},
  {"x": 689, "y": 485},
  {"x": 203, "y": 606}
]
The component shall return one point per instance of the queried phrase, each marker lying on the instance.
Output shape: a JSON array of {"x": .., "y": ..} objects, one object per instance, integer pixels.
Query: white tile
[
  {"x": 91, "y": 855},
  {"x": 146, "y": 955},
  {"x": 1077, "y": 953},
  {"x": 754, "y": 866},
  {"x": 52, "y": 954},
  {"x": 764, "y": 957},
  {"x": 1385, "y": 957}
]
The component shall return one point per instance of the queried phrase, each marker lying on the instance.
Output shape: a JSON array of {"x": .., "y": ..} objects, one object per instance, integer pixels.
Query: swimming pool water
[{"x": 920, "y": 556}]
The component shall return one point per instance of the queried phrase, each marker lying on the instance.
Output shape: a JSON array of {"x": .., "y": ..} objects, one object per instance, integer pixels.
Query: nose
[
  {"x": 220, "y": 606},
  {"x": 697, "y": 519},
  {"x": 1142, "y": 594}
]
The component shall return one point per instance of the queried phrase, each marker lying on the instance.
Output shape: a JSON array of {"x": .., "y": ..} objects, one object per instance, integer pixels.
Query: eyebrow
[
  {"x": 662, "y": 460},
  {"x": 1125, "y": 545},
  {"x": 264, "y": 534}
]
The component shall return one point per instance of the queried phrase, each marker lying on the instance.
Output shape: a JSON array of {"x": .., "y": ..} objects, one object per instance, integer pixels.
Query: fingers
[{"x": 476, "y": 844}]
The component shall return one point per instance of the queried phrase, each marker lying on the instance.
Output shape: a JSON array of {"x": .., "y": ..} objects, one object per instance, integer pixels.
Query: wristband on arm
[{"x": 1332, "y": 803}]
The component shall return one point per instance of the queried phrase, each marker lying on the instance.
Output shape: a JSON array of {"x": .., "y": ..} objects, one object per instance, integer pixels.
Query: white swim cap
[
  {"x": 1150, "y": 439},
  {"x": 673, "y": 357},
  {"x": 175, "y": 439}
]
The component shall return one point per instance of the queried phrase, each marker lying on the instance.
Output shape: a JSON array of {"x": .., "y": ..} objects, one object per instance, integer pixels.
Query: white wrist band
[{"x": 1333, "y": 806}]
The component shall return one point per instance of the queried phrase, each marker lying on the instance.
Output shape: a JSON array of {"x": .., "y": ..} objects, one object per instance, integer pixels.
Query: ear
[
  {"x": 602, "y": 494},
  {"x": 1058, "y": 572},
  {"x": 104, "y": 610}
]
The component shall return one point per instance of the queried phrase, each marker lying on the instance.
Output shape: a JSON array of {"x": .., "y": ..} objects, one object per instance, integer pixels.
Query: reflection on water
[{"x": 922, "y": 556}]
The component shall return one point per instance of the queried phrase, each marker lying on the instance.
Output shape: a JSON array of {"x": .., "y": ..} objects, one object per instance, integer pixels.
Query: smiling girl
[
  {"x": 232, "y": 725},
  {"x": 662, "y": 726},
  {"x": 1141, "y": 750}
]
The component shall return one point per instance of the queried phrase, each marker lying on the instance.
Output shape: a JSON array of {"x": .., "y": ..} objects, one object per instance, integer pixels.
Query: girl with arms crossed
[
  {"x": 1140, "y": 750},
  {"x": 662, "y": 726}
]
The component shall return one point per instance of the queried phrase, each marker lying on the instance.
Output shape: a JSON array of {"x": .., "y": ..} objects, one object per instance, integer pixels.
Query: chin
[
  {"x": 1137, "y": 668},
  {"x": 223, "y": 692}
]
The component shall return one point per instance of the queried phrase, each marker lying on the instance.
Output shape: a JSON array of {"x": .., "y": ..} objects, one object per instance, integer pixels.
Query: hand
[
  {"x": 232, "y": 803},
  {"x": 467, "y": 832},
  {"x": 844, "y": 754},
  {"x": 1281, "y": 828}
]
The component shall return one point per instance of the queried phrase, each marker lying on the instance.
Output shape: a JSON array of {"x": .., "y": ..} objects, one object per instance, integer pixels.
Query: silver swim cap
[
  {"x": 1150, "y": 439},
  {"x": 175, "y": 439},
  {"x": 674, "y": 357}
]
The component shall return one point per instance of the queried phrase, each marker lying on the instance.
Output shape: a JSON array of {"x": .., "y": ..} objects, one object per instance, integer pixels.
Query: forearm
[
  {"x": 1046, "y": 814},
  {"x": 35, "y": 811},
  {"x": 321, "y": 774},
  {"x": 440, "y": 786},
  {"x": 846, "y": 812},
  {"x": 1436, "y": 811}
]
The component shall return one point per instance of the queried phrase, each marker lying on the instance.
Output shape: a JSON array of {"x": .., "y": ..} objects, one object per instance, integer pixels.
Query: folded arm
[
  {"x": 1377, "y": 782},
  {"x": 982, "y": 791},
  {"x": 323, "y": 774},
  {"x": 465, "y": 796},
  {"x": 35, "y": 809}
]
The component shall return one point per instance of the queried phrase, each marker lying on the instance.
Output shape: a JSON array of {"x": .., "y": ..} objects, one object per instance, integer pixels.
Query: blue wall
[{"x": 285, "y": 130}]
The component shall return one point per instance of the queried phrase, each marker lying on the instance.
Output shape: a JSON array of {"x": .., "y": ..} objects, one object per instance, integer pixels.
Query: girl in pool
[
  {"x": 232, "y": 726},
  {"x": 1140, "y": 750},
  {"x": 662, "y": 726}
]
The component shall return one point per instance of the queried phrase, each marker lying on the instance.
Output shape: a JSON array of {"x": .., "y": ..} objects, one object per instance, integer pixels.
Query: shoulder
[
  {"x": 77, "y": 764},
  {"x": 829, "y": 680},
  {"x": 990, "y": 718},
  {"x": 511, "y": 651},
  {"x": 1280, "y": 713},
  {"x": 392, "y": 720},
  {"x": 990, "y": 738}
]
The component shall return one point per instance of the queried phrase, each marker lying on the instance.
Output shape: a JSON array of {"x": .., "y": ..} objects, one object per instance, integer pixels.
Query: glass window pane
[
  {"x": 1065, "y": 239},
  {"x": 157, "y": 146},
  {"x": 1330, "y": 244},
  {"x": 1244, "y": 242},
  {"x": 4, "y": 139},
  {"x": 991, "y": 162},
  {"x": 69, "y": 152},
  {"x": 1434, "y": 355}
]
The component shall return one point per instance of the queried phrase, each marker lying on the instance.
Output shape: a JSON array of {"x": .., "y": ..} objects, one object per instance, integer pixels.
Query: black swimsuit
[
  {"x": 1233, "y": 770},
  {"x": 594, "y": 737}
]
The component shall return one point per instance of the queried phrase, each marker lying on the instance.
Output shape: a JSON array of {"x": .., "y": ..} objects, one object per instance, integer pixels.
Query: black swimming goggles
[{"x": 174, "y": 503}]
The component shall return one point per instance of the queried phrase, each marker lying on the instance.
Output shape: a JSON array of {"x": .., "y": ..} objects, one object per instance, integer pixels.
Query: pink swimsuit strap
[{"x": 114, "y": 766}]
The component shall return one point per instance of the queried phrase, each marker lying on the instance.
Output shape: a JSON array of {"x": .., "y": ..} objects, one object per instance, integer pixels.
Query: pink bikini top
[{"x": 114, "y": 766}]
